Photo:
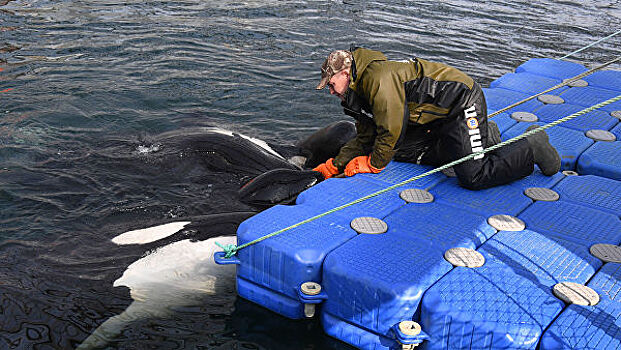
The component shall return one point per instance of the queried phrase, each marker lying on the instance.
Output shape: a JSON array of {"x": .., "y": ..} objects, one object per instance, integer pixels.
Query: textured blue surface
[
  {"x": 592, "y": 191},
  {"x": 508, "y": 302},
  {"x": 570, "y": 144},
  {"x": 607, "y": 79},
  {"x": 506, "y": 199},
  {"x": 500, "y": 98},
  {"x": 504, "y": 121},
  {"x": 372, "y": 282},
  {"x": 573, "y": 222},
  {"x": 602, "y": 159},
  {"x": 356, "y": 336},
  {"x": 589, "y": 96},
  {"x": 525, "y": 82},
  {"x": 617, "y": 131},
  {"x": 397, "y": 172},
  {"x": 549, "y": 67},
  {"x": 285, "y": 261},
  {"x": 376, "y": 281},
  {"x": 595, "y": 327},
  {"x": 593, "y": 120}
]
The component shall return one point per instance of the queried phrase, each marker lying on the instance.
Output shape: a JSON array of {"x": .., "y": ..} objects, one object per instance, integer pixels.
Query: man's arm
[
  {"x": 386, "y": 95},
  {"x": 358, "y": 146}
]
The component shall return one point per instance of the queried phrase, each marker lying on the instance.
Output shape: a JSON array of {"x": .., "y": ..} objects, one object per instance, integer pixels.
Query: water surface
[{"x": 85, "y": 87}]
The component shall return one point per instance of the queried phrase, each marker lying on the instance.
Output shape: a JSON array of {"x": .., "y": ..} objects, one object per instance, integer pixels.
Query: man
[{"x": 423, "y": 112}]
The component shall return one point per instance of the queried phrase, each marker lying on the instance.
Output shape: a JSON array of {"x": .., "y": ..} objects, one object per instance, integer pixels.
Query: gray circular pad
[
  {"x": 506, "y": 223},
  {"x": 369, "y": 225},
  {"x": 551, "y": 99},
  {"x": 601, "y": 135},
  {"x": 465, "y": 257},
  {"x": 606, "y": 252},
  {"x": 524, "y": 117},
  {"x": 541, "y": 194},
  {"x": 413, "y": 195},
  {"x": 577, "y": 83},
  {"x": 616, "y": 114},
  {"x": 574, "y": 293},
  {"x": 570, "y": 173}
]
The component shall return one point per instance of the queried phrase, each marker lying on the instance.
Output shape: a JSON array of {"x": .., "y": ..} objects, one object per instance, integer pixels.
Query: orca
[
  {"x": 178, "y": 269},
  {"x": 195, "y": 228},
  {"x": 278, "y": 186},
  {"x": 180, "y": 274},
  {"x": 326, "y": 142},
  {"x": 217, "y": 150}
]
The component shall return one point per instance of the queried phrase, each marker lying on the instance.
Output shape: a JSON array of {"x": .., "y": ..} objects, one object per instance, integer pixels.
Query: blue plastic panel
[
  {"x": 277, "y": 302},
  {"x": 602, "y": 159},
  {"x": 504, "y": 121},
  {"x": 376, "y": 281},
  {"x": 617, "y": 131},
  {"x": 508, "y": 302},
  {"x": 595, "y": 327},
  {"x": 570, "y": 144},
  {"x": 356, "y": 336},
  {"x": 589, "y": 96},
  {"x": 506, "y": 199},
  {"x": 526, "y": 82},
  {"x": 592, "y": 191},
  {"x": 397, "y": 172},
  {"x": 549, "y": 67},
  {"x": 606, "y": 79},
  {"x": 592, "y": 120},
  {"x": 498, "y": 99},
  {"x": 283, "y": 262},
  {"x": 573, "y": 222}
]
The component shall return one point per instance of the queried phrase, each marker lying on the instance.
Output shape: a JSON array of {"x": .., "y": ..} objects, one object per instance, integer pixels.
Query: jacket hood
[{"x": 362, "y": 59}]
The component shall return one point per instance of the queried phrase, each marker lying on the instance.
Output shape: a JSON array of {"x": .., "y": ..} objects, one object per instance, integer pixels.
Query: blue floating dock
[{"x": 370, "y": 283}]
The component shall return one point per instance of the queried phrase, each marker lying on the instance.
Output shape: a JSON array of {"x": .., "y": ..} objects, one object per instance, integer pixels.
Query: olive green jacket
[{"x": 385, "y": 96}]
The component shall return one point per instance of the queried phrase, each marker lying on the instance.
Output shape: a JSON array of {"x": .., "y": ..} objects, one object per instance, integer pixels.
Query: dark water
[{"x": 85, "y": 87}]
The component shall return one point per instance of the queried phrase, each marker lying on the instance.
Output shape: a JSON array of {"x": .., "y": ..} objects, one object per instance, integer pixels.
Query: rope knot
[{"x": 229, "y": 249}]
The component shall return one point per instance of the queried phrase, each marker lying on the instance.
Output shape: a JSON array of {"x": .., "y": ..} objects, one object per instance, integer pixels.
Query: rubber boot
[
  {"x": 493, "y": 133},
  {"x": 545, "y": 156}
]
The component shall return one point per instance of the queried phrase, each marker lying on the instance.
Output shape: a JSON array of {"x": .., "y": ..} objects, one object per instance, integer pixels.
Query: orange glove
[
  {"x": 327, "y": 169},
  {"x": 361, "y": 164}
]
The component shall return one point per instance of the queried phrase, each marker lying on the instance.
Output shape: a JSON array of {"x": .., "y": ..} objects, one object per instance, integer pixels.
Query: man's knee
[{"x": 471, "y": 179}]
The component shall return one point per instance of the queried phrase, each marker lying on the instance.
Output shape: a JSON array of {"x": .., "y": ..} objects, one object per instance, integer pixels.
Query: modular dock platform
[{"x": 535, "y": 264}]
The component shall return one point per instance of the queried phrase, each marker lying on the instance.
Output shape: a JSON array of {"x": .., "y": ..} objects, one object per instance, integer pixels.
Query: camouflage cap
[{"x": 336, "y": 62}]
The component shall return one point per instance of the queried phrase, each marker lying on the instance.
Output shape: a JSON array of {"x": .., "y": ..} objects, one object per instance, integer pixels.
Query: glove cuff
[
  {"x": 331, "y": 168},
  {"x": 374, "y": 170}
]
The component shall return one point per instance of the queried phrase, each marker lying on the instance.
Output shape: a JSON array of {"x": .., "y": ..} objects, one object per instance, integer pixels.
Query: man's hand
[
  {"x": 361, "y": 164},
  {"x": 327, "y": 169}
]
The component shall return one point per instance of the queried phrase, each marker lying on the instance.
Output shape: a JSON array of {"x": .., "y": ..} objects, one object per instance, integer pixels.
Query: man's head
[{"x": 335, "y": 72}]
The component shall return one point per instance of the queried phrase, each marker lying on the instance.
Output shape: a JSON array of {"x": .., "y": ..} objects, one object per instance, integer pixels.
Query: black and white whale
[
  {"x": 178, "y": 269},
  {"x": 271, "y": 174},
  {"x": 180, "y": 272},
  {"x": 326, "y": 142},
  {"x": 278, "y": 186}
]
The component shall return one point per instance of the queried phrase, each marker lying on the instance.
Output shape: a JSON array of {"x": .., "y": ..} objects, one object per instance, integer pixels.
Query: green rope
[
  {"x": 586, "y": 47},
  {"x": 560, "y": 85},
  {"x": 231, "y": 249}
]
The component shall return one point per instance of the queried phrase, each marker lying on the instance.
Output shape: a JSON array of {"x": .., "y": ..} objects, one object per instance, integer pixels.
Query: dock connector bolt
[
  {"x": 310, "y": 293},
  {"x": 409, "y": 334}
]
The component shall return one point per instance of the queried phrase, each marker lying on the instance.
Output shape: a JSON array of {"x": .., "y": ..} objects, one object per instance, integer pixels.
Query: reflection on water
[{"x": 85, "y": 86}]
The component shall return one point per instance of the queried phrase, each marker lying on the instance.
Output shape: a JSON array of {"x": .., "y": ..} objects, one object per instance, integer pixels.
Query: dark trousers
[{"x": 448, "y": 139}]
